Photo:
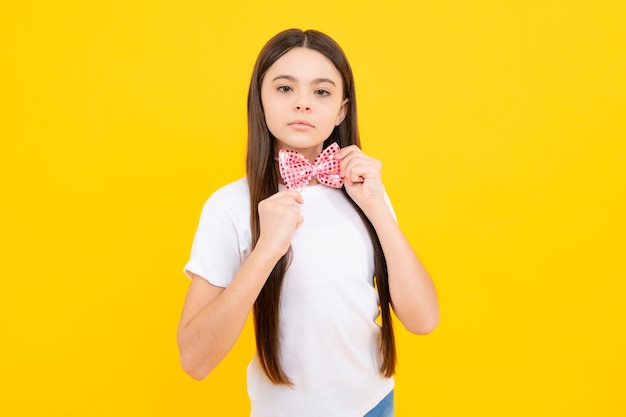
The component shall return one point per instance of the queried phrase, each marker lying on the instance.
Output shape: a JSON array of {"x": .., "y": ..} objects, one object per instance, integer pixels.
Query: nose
[
  {"x": 304, "y": 108},
  {"x": 302, "y": 104}
]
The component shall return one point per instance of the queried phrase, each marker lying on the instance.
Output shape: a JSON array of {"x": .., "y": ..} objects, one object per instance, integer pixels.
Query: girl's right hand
[{"x": 279, "y": 218}]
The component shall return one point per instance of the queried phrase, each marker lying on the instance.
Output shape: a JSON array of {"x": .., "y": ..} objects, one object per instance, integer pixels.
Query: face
[{"x": 303, "y": 100}]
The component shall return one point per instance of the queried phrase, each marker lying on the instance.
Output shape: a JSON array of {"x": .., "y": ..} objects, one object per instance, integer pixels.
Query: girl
[{"x": 300, "y": 245}]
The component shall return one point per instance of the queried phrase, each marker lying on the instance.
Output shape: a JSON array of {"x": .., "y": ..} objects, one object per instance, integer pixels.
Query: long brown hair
[{"x": 263, "y": 182}]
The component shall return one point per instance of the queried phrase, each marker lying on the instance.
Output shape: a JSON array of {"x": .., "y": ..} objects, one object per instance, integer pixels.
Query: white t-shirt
[{"x": 330, "y": 341}]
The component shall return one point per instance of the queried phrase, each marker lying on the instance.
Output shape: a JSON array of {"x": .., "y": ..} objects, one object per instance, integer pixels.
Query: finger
[
  {"x": 343, "y": 152},
  {"x": 363, "y": 167},
  {"x": 299, "y": 222},
  {"x": 288, "y": 197},
  {"x": 287, "y": 193},
  {"x": 346, "y": 165},
  {"x": 357, "y": 173},
  {"x": 356, "y": 155}
]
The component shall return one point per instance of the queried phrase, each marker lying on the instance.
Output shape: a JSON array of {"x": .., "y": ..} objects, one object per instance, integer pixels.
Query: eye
[
  {"x": 284, "y": 88},
  {"x": 321, "y": 92}
]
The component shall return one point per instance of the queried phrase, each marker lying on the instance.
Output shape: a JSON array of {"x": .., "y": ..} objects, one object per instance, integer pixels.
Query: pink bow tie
[{"x": 297, "y": 171}]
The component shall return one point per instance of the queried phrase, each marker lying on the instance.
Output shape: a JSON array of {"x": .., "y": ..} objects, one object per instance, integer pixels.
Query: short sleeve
[{"x": 215, "y": 253}]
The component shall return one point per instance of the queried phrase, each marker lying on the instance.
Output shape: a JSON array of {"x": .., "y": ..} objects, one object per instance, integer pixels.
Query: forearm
[
  {"x": 207, "y": 337},
  {"x": 412, "y": 291}
]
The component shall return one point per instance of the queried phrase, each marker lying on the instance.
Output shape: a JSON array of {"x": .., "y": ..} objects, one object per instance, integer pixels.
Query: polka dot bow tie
[{"x": 297, "y": 171}]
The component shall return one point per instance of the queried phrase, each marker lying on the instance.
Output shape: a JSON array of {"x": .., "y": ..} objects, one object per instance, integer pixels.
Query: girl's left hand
[{"x": 362, "y": 177}]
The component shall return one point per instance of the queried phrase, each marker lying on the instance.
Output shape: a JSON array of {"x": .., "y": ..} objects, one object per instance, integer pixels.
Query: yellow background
[{"x": 501, "y": 127}]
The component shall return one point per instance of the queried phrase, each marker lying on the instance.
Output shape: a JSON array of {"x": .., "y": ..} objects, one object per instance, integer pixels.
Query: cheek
[
  {"x": 271, "y": 121},
  {"x": 329, "y": 124},
  {"x": 270, "y": 114},
  {"x": 332, "y": 115},
  {"x": 267, "y": 108},
  {"x": 266, "y": 103}
]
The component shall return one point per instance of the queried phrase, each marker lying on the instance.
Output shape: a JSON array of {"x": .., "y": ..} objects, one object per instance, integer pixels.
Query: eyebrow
[{"x": 315, "y": 81}]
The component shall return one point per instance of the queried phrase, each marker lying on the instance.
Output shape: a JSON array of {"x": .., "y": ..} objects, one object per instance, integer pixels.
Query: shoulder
[
  {"x": 227, "y": 210},
  {"x": 230, "y": 201},
  {"x": 235, "y": 194}
]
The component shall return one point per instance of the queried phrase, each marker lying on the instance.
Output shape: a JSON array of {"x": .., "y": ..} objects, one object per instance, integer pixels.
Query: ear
[{"x": 343, "y": 111}]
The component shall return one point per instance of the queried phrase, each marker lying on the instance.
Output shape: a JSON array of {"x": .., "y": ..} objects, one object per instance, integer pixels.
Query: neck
[{"x": 309, "y": 153}]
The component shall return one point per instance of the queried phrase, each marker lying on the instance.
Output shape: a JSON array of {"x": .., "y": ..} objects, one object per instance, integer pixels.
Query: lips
[{"x": 300, "y": 124}]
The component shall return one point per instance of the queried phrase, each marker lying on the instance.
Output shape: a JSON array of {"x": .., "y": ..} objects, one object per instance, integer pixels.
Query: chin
[{"x": 299, "y": 144}]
